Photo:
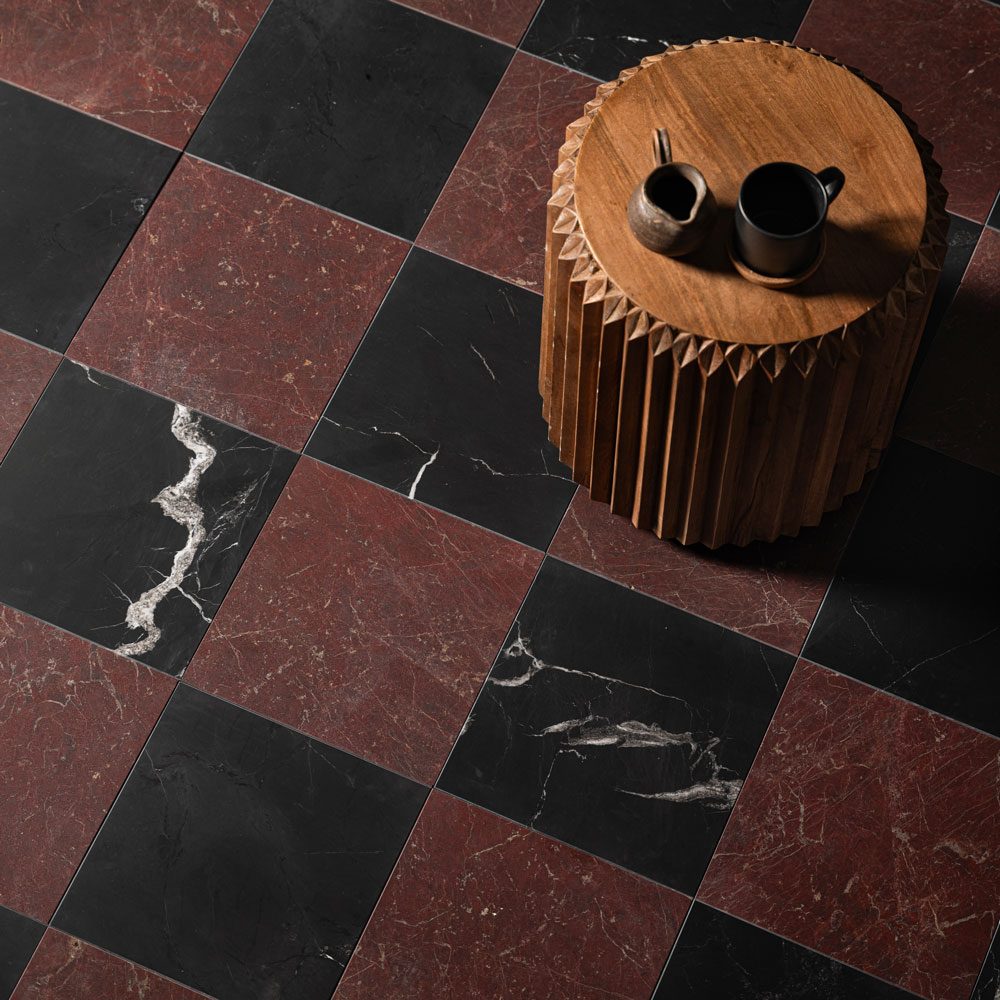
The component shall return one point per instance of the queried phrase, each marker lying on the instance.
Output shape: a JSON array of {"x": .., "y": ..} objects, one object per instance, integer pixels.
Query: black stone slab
[
  {"x": 241, "y": 858},
  {"x": 441, "y": 402},
  {"x": 914, "y": 607},
  {"x": 73, "y": 190},
  {"x": 359, "y": 105},
  {"x": 718, "y": 957},
  {"x": 618, "y": 724},
  {"x": 112, "y": 498}
]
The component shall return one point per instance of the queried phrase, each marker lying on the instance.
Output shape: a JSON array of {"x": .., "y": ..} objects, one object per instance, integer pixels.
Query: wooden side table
[{"x": 702, "y": 406}]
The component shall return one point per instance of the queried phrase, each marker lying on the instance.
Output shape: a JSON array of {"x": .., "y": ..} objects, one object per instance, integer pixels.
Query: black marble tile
[
  {"x": 988, "y": 984},
  {"x": 441, "y": 402},
  {"x": 19, "y": 936},
  {"x": 241, "y": 858},
  {"x": 73, "y": 190},
  {"x": 603, "y": 38},
  {"x": 994, "y": 217},
  {"x": 718, "y": 957},
  {"x": 963, "y": 236},
  {"x": 124, "y": 518},
  {"x": 914, "y": 607},
  {"x": 618, "y": 724},
  {"x": 360, "y": 105}
]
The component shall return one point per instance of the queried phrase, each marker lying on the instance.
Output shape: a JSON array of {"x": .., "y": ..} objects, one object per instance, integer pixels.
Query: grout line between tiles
[
  {"x": 92, "y": 115},
  {"x": 472, "y": 135},
  {"x": 299, "y": 197},
  {"x": 486, "y": 676},
  {"x": 563, "y": 66},
  {"x": 672, "y": 949},
  {"x": 354, "y": 354},
  {"x": 669, "y": 604},
  {"x": 564, "y": 843},
  {"x": 93, "y": 840},
  {"x": 34, "y": 405},
  {"x": 182, "y": 681},
  {"x": 805, "y": 947},
  {"x": 994, "y": 943},
  {"x": 175, "y": 402},
  {"x": 454, "y": 24},
  {"x": 113, "y": 954},
  {"x": 479, "y": 270}
]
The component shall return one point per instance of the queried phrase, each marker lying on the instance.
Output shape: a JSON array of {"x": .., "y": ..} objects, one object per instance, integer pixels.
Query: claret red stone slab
[
  {"x": 239, "y": 301},
  {"x": 480, "y": 907},
  {"x": 65, "y": 968},
  {"x": 868, "y": 830},
  {"x": 770, "y": 592},
  {"x": 74, "y": 718},
  {"x": 24, "y": 371},
  {"x": 365, "y": 619},
  {"x": 151, "y": 66},
  {"x": 491, "y": 213}
]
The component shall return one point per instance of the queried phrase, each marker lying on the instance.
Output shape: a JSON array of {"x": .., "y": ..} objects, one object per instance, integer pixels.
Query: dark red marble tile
[
  {"x": 504, "y": 20},
  {"x": 770, "y": 592},
  {"x": 869, "y": 830},
  {"x": 240, "y": 301},
  {"x": 152, "y": 66},
  {"x": 956, "y": 398},
  {"x": 73, "y": 717},
  {"x": 942, "y": 61},
  {"x": 65, "y": 968},
  {"x": 365, "y": 619},
  {"x": 24, "y": 371},
  {"x": 479, "y": 907},
  {"x": 491, "y": 213}
]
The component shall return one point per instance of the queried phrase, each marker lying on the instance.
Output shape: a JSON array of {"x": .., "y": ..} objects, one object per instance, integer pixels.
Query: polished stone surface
[
  {"x": 250, "y": 302},
  {"x": 423, "y": 612},
  {"x": 618, "y": 724},
  {"x": 73, "y": 717},
  {"x": 868, "y": 830},
  {"x": 441, "y": 402},
  {"x": 26, "y": 370},
  {"x": 18, "y": 937},
  {"x": 132, "y": 529},
  {"x": 75, "y": 190},
  {"x": 241, "y": 858},
  {"x": 365, "y": 619},
  {"x": 721, "y": 958},
  {"x": 492, "y": 210},
  {"x": 151, "y": 67},
  {"x": 504, "y": 20},
  {"x": 359, "y": 105},
  {"x": 480, "y": 907},
  {"x": 65, "y": 967},
  {"x": 770, "y": 592},
  {"x": 913, "y": 606}
]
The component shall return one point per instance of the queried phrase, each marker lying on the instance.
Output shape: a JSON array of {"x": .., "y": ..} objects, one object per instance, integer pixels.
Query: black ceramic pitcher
[{"x": 780, "y": 215}]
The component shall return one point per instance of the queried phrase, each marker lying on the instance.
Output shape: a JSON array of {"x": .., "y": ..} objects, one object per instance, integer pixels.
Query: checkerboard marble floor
[{"x": 318, "y": 677}]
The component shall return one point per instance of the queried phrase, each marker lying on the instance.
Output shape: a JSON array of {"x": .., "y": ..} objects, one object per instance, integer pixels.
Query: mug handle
[
  {"x": 661, "y": 147},
  {"x": 832, "y": 180}
]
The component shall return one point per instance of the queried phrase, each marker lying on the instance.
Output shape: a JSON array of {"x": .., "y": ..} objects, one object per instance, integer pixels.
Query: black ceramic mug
[{"x": 780, "y": 214}]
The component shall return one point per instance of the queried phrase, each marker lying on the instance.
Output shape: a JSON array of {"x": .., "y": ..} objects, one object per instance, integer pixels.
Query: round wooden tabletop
[{"x": 728, "y": 109}]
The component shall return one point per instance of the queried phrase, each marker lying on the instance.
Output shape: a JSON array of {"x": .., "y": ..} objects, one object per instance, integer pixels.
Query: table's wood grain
[{"x": 704, "y": 407}]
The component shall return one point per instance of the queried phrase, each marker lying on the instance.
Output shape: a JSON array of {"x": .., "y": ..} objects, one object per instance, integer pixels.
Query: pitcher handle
[
  {"x": 832, "y": 180},
  {"x": 661, "y": 147}
]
